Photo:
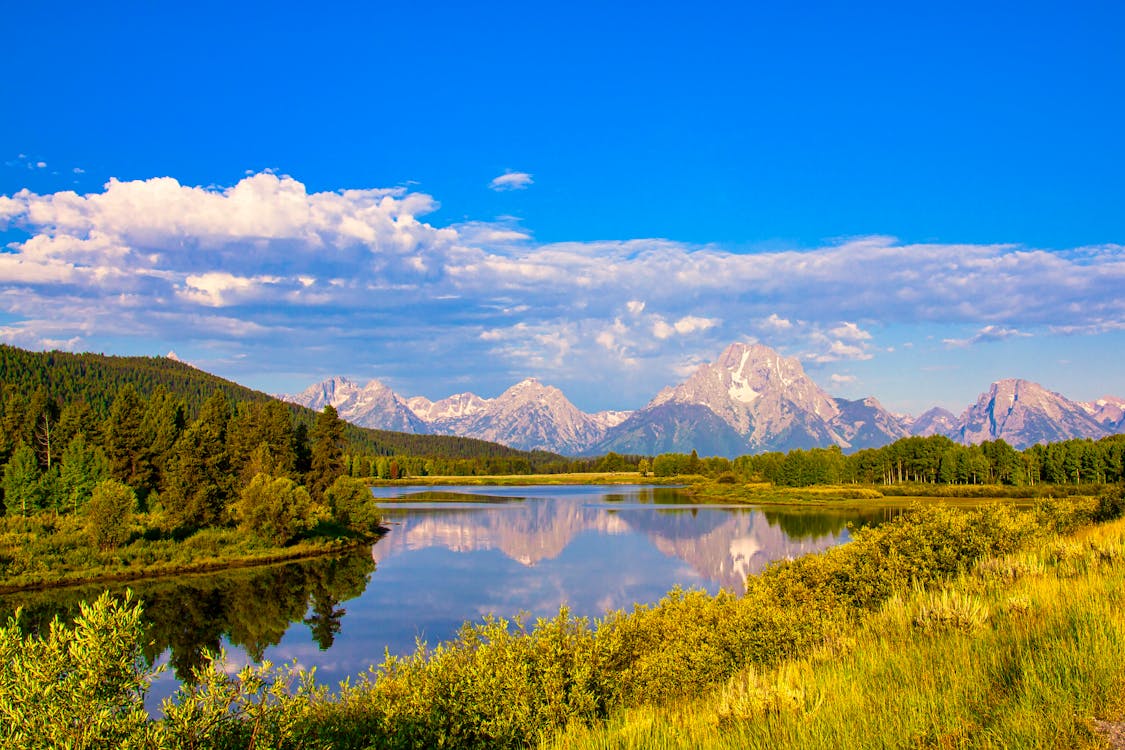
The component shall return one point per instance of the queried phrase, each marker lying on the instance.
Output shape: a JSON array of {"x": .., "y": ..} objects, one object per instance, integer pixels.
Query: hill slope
[{"x": 98, "y": 377}]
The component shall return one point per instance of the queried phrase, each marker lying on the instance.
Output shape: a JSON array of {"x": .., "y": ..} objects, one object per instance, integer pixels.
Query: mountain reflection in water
[
  {"x": 451, "y": 555},
  {"x": 721, "y": 543}
]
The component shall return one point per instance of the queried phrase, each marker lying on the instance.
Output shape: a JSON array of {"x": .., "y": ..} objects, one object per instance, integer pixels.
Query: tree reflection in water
[{"x": 251, "y": 607}]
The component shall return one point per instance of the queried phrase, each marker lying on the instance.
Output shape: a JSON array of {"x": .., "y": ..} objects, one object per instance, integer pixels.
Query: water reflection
[
  {"x": 721, "y": 543},
  {"x": 250, "y": 608},
  {"x": 456, "y": 554}
]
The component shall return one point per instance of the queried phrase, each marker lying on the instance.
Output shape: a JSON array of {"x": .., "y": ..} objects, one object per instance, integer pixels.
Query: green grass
[{"x": 1024, "y": 651}]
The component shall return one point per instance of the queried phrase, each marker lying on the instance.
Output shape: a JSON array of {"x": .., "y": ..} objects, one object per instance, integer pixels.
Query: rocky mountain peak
[
  {"x": 1023, "y": 413},
  {"x": 755, "y": 390}
]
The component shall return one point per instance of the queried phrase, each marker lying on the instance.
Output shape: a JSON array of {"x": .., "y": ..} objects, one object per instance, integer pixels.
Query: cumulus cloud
[
  {"x": 265, "y": 263},
  {"x": 510, "y": 181},
  {"x": 776, "y": 323},
  {"x": 838, "y": 379},
  {"x": 850, "y": 332}
]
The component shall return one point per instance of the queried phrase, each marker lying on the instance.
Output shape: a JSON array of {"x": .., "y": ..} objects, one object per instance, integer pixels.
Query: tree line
[
  {"x": 253, "y": 466},
  {"x": 935, "y": 460}
]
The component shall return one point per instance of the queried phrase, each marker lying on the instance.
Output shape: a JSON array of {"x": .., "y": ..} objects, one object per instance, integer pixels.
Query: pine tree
[
  {"x": 327, "y": 452},
  {"x": 126, "y": 445},
  {"x": 21, "y": 482},
  {"x": 163, "y": 423},
  {"x": 84, "y": 466},
  {"x": 199, "y": 484}
]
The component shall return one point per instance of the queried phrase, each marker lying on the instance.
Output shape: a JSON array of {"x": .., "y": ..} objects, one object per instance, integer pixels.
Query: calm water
[{"x": 458, "y": 553}]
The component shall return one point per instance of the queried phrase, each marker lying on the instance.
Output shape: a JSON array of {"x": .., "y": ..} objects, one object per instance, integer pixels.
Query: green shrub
[
  {"x": 79, "y": 686},
  {"x": 276, "y": 509},
  {"x": 352, "y": 504},
  {"x": 109, "y": 514}
]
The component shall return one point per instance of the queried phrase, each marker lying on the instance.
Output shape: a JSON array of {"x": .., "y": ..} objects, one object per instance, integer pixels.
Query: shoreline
[{"x": 205, "y": 565}]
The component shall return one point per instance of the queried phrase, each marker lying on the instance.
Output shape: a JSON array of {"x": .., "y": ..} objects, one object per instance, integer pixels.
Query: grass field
[{"x": 1024, "y": 651}]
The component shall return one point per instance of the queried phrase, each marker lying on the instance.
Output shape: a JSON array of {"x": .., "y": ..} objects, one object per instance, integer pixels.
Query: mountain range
[{"x": 749, "y": 400}]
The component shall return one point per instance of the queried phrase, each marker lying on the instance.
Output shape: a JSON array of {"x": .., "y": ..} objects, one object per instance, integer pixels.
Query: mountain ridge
[{"x": 750, "y": 399}]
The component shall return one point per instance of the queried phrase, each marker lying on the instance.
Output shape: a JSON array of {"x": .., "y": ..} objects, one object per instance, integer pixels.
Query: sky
[{"x": 914, "y": 201}]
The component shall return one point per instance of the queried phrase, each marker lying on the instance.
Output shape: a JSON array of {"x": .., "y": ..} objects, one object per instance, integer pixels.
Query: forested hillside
[{"x": 92, "y": 381}]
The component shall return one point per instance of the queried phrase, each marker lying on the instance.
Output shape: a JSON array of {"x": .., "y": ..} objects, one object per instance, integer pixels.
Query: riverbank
[
  {"x": 1021, "y": 650},
  {"x": 521, "y": 480},
  {"x": 996, "y": 627},
  {"x": 52, "y": 551},
  {"x": 728, "y": 489}
]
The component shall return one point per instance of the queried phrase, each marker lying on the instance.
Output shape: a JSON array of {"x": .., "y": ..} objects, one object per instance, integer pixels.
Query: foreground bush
[{"x": 502, "y": 684}]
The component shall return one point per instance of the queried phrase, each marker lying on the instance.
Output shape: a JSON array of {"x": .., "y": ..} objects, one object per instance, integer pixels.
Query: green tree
[
  {"x": 352, "y": 504},
  {"x": 199, "y": 483},
  {"x": 276, "y": 509},
  {"x": 163, "y": 423},
  {"x": 126, "y": 445},
  {"x": 110, "y": 513},
  {"x": 84, "y": 466},
  {"x": 327, "y": 451},
  {"x": 21, "y": 482}
]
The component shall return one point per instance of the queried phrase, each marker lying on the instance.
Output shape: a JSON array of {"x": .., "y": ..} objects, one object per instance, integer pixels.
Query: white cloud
[
  {"x": 360, "y": 273},
  {"x": 693, "y": 324},
  {"x": 838, "y": 379},
  {"x": 840, "y": 350},
  {"x": 511, "y": 181},
  {"x": 985, "y": 335},
  {"x": 776, "y": 323},
  {"x": 850, "y": 332}
]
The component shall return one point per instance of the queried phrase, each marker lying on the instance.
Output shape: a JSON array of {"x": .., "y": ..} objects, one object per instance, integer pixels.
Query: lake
[{"x": 458, "y": 553}]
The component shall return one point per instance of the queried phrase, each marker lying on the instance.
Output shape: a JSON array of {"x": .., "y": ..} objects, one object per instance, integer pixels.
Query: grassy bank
[
  {"x": 51, "y": 550},
  {"x": 1023, "y": 650}
]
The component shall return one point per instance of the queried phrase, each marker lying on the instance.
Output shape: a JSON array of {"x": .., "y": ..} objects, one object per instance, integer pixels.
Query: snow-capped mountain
[
  {"x": 764, "y": 402},
  {"x": 751, "y": 399},
  {"x": 455, "y": 407},
  {"x": 528, "y": 416},
  {"x": 373, "y": 405},
  {"x": 1108, "y": 411},
  {"x": 1023, "y": 413}
]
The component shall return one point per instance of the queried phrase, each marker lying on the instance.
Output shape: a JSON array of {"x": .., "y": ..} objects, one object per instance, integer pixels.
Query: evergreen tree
[
  {"x": 77, "y": 417},
  {"x": 163, "y": 423},
  {"x": 126, "y": 445},
  {"x": 327, "y": 451},
  {"x": 199, "y": 485},
  {"x": 84, "y": 466},
  {"x": 13, "y": 415},
  {"x": 21, "y": 482}
]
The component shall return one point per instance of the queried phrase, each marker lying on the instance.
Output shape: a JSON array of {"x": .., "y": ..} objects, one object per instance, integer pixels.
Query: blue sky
[{"x": 914, "y": 201}]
